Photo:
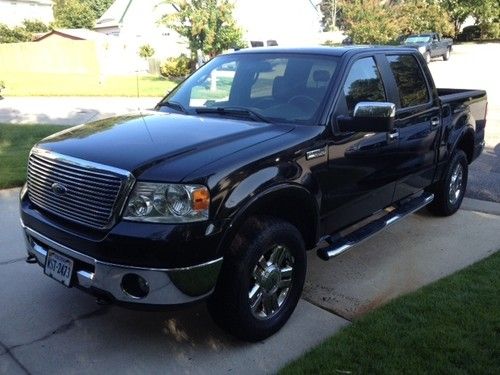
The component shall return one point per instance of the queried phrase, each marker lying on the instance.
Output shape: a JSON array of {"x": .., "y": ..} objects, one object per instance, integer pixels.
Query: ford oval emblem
[{"x": 59, "y": 188}]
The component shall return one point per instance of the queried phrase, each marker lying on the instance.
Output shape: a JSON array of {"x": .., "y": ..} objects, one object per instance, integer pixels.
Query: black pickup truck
[
  {"x": 257, "y": 157},
  {"x": 430, "y": 45}
]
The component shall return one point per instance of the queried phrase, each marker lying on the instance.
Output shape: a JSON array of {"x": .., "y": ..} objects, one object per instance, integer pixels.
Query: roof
[
  {"x": 322, "y": 50},
  {"x": 114, "y": 15},
  {"x": 75, "y": 34}
]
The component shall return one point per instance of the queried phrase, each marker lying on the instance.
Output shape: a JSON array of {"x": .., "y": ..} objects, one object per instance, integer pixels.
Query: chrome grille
[{"x": 76, "y": 190}]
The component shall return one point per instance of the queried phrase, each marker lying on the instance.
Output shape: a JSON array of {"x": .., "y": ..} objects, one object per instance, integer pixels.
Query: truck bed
[{"x": 448, "y": 96}]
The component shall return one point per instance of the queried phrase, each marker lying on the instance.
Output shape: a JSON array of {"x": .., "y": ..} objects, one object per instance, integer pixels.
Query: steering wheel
[{"x": 302, "y": 101}]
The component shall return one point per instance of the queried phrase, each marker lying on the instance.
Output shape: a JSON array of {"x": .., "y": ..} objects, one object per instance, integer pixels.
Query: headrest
[{"x": 321, "y": 76}]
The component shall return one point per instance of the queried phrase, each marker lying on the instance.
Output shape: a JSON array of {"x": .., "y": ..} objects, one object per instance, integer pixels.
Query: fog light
[{"x": 135, "y": 286}]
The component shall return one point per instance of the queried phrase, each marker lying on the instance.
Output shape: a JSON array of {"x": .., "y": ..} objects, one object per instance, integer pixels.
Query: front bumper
[{"x": 170, "y": 286}]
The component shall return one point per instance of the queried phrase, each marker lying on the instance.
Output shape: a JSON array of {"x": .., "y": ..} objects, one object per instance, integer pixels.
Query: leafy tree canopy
[
  {"x": 370, "y": 21},
  {"x": 74, "y": 14},
  {"x": 22, "y": 33},
  {"x": 208, "y": 25}
]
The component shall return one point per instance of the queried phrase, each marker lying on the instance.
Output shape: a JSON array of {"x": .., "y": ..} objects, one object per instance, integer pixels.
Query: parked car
[
  {"x": 430, "y": 45},
  {"x": 469, "y": 33},
  {"x": 219, "y": 192}
]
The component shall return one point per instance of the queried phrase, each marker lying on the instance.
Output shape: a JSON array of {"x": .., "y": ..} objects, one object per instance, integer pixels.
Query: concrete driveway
[
  {"x": 47, "y": 328},
  {"x": 474, "y": 66}
]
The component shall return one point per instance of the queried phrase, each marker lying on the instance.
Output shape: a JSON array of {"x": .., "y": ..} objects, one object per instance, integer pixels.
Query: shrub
[
  {"x": 490, "y": 30},
  {"x": 175, "y": 67},
  {"x": 146, "y": 51}
]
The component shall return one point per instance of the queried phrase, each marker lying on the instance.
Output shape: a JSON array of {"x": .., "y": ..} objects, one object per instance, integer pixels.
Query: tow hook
[{"x": 31, "y": 259}]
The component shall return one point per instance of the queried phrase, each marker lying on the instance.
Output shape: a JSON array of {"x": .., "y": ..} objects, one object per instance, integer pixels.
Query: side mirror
[{"x": 373, "y": 117}]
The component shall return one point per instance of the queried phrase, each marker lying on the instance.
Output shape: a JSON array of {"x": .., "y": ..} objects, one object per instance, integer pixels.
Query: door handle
[
  {"x": 435, "y": 122},
  {"x": 393, "y": 135}
]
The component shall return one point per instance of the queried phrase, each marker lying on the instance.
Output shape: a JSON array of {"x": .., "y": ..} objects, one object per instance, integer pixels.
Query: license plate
[{"x": 59, "y": 267}]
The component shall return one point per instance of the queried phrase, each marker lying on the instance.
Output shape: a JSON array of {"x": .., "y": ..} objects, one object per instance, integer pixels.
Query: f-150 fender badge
[{"x": 316, "y": 153}]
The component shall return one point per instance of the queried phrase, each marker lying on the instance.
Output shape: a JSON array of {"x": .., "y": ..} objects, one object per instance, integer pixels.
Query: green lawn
[
  {"x": 449, "y": 327},
  {"x": 15, "y": 144},
  {"x": 31, "y": 84}
]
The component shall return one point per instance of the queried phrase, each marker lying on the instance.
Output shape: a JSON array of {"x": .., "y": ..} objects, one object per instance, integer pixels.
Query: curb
[{"x": 469, "y": 204}]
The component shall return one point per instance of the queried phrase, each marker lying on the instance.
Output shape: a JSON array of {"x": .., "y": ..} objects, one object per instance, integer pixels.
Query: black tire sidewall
[
  {"x": 256, "y": 250},
  {"x": 247, "y": 248},
  {"x": 443, "y": 195},
  {"x": 427, "y": 57}
]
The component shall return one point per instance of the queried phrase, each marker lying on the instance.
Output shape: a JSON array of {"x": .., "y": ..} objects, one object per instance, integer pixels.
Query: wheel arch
[
  {"x": 465, "y": 142},
  {"x": 292, "y": 203}
]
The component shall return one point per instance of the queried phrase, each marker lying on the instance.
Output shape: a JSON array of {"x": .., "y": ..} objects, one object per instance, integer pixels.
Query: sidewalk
[{"x": 46, "y": 320}]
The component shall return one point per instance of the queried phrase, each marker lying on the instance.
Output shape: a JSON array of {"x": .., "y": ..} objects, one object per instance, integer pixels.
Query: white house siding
[{"x": 14, "y": 12}]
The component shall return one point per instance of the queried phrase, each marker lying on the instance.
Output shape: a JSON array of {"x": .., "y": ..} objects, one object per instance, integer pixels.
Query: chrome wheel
[
  {"x": 427, "y": 57},
  {"x": 456, "y": 184},
  {"x": 271, "y": 282}
]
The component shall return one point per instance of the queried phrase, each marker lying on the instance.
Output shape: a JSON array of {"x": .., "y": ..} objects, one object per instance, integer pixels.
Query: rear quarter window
[{"x": 410, "y": 80}]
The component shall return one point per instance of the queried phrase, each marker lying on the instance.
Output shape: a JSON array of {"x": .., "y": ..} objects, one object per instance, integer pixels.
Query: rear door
[
  {"x": 418, "y": 122},
  {"x": 360, "y": 165}
]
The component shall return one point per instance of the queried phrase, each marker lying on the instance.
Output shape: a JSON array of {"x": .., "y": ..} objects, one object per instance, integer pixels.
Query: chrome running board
[{"x": 340, "y": 244}]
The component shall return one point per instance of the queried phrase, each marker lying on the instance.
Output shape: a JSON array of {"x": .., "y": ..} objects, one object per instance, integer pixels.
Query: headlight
[
  {"x": 421, "y": 49},
  {"x": 168, "y": 203}
]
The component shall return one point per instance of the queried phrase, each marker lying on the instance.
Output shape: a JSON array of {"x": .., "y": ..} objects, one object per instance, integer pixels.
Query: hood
[
  {"x": 415, "y": 45},
  {"x": 175, "y": 144}
]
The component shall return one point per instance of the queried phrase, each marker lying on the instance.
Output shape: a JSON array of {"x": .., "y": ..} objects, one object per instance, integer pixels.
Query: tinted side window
[
  {"x": 363, "y": 83},
  {"x": 410, "y": 80}
]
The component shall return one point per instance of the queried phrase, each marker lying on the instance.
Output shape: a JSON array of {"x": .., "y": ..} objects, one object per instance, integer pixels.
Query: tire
[
  {"x": 427, "y": 57},
  {"x": 249, "y": 253},
  {"x": 446, "y": 56},
  {"x": 449, "y": 192}
]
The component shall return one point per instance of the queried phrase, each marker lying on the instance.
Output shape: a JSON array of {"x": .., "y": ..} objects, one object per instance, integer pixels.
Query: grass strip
[
  {"x": 449, "y": 327},
  {"x": 15, "y": 144}
]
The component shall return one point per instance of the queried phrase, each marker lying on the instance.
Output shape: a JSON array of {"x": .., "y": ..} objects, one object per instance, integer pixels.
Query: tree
[
  {"x": 98, "y": 7},
  {"x": 458, "y": 10},
  {"x": 22, "y": 33},
  {"x": 329, "y": 10},
  {"x": 35, "y": 26},
  {"x": 73, "y": 14},
  {"x": 369, "y": 22},
  {"x": 208, "y": 25},
  {"x": 419, "y": 16},
  {"x": 146, "y": 51}
]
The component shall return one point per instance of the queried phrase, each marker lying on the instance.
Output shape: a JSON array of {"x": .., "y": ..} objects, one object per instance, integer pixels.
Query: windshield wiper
[
  {"x": 175, "y": 105},
  {"x": 237, "y": 111}
]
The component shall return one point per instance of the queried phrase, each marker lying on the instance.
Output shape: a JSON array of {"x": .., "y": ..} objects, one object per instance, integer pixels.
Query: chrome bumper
[{"x": 166, "y": 286}]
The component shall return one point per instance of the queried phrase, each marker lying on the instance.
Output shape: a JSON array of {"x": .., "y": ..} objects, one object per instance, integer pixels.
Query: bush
[
  {"x": 146, "y": 51},
  {"x": 490, "y": 30},
  {"x": 175, "y": 67}
]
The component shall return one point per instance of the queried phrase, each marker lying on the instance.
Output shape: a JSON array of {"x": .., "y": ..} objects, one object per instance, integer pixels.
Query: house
[
  {"x": 267, "y": 22},
  {"x": 14, "y": 12},
  {"x": 71, "y": 34},
  {"x": 136, "y": 22}
]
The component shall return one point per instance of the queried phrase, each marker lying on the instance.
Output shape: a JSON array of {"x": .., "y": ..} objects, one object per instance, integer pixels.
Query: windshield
[
  {"x": 417, "y": 39},
  {"x": 276, "y": 87}
]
